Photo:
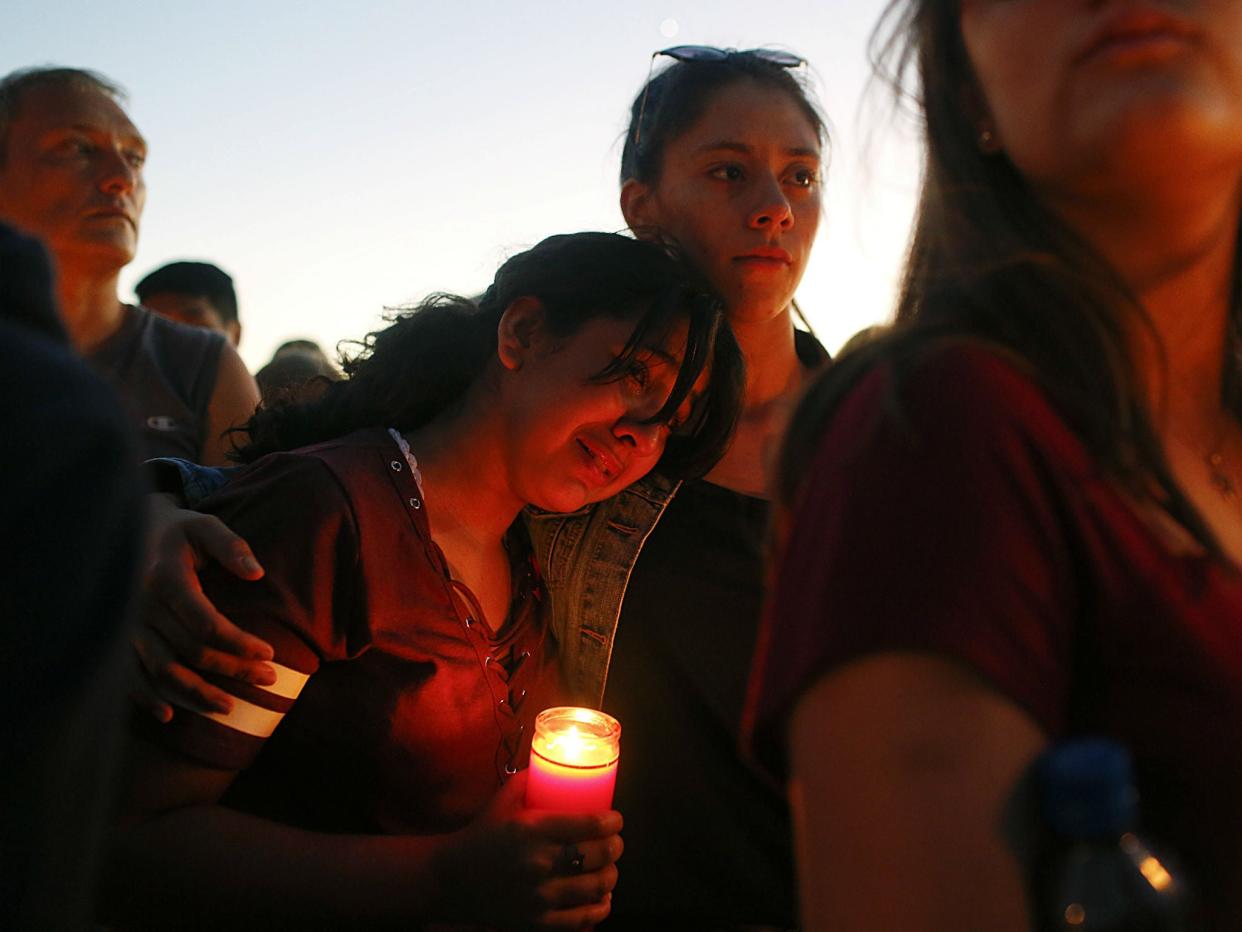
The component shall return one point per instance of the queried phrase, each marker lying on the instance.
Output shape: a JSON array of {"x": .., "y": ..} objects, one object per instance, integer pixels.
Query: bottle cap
[{"x": 1087, "y": 789}]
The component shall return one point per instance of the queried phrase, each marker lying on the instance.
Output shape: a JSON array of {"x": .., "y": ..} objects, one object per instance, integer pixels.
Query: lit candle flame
[
  {"x": 573, "y": 764},
  {"x": 571, "y": 747}
]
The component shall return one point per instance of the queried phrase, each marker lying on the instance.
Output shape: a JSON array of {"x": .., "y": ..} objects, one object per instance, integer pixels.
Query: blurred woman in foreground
[{"x": 1017, "y": 517}]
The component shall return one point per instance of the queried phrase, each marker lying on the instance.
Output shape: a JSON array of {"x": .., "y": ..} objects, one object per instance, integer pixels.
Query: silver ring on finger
[{"x": 570, "y": 860}]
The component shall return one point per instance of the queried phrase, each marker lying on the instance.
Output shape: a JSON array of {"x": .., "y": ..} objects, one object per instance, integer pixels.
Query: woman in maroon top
[
  {"x": 370, "y": 783},
  {"x": 1016, "y": 518}
]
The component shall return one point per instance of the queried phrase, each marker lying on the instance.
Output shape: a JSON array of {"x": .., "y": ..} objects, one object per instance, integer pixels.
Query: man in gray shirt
[{"x": 71, "y": 174}]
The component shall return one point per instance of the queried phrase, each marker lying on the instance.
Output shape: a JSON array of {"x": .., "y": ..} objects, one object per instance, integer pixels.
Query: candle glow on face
[{"x": 573, "y": 761}]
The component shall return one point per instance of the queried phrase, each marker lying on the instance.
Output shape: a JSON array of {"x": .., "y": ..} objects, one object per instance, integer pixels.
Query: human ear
[
  {"x": 233, "y": 331},
  {"x": 519, "y": 332},
  {"x": 638, "y": 206}
]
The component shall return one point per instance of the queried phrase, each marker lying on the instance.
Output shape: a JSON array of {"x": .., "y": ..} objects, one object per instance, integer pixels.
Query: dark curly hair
[{"x": 428, "y": 357}]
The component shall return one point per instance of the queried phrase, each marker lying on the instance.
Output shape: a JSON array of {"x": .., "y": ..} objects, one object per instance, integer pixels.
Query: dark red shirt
[
  {"x": 414, "y": 712},
  {"x": 974, "y": 524}
]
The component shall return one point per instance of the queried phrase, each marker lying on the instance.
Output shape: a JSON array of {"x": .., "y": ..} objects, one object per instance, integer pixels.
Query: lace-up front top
[{"x": 398, "y": 709}]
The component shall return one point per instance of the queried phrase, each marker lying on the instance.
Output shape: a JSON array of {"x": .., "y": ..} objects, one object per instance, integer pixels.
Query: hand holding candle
[{"x": 573, "y": 760}]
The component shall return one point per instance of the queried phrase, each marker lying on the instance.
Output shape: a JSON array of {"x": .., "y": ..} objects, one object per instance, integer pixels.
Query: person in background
[
  {"x": 297, "y": 367},
  {"x": 1016, "y": 518},
  {"x": 300, "y": 345},
  {"x": 72, "y": 498},
  {"x": 656, "y": 592},
  {"x": 71, "y": 166},
  {"x": 196, "y": 293}
]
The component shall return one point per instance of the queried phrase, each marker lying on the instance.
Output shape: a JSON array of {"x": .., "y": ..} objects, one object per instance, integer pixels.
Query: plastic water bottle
[{"x": 1099, "y": 875}]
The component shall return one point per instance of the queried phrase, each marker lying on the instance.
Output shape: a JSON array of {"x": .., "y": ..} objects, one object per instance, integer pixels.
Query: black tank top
[{"x": 708, "y": 843}]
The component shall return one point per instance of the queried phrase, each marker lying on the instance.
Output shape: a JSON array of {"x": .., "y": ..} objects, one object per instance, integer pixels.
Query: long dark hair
[
  {"x": 988, "y": 261},
  {"x": 428, "y": 357}
]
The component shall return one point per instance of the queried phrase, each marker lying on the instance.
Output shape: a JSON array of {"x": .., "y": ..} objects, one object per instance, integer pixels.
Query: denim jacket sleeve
[
  {"x": 586, "y": 559},
  {"x": 188, "y": 481}
]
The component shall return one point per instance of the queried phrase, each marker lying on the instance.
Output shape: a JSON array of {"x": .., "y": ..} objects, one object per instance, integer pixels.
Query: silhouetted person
[
  {"x": 296, "y": 370},
  {"x": 70, "y": 504}
]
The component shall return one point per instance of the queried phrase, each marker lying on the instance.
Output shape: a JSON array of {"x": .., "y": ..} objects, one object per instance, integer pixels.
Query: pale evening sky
[{"x": 339, "y": 157}]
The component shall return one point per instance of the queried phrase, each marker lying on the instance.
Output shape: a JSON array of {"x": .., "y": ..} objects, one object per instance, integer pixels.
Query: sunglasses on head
[{"x": 709, "y": 53}]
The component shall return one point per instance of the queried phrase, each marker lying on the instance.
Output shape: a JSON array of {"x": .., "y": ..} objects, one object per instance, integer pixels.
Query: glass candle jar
[{"x": 573, "y": 760}]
